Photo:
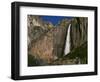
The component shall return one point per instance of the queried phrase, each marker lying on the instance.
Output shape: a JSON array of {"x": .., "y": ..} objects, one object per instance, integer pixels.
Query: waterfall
[{"x": 67, "y": 44}]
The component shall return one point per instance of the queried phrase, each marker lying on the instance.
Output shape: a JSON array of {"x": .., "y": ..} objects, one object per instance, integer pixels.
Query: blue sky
[{"x": 54, "y": 19}]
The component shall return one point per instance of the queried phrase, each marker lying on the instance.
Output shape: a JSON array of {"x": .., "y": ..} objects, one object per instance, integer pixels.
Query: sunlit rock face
[
  {"x": 33, "y": 24},
  {"x": 50, "y": 46},
  {"x": 36, "y": 28},
  {"x": 42, "y": 49}
]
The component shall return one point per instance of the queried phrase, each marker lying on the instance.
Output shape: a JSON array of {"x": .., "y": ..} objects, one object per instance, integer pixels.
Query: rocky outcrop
[{"x": 36, "y": 28}]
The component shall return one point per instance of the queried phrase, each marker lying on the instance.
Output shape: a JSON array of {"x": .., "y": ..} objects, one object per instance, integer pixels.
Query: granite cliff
[{"x": 46, "y": 42}]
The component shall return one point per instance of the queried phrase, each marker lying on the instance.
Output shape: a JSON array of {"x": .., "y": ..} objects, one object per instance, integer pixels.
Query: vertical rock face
[
  {"x": 33, "y": 23},
  {"x": 78, "y": 32},
  {"x": 36, "y": 28},
  {"x": 46, "y": 42},
  {"x": 59, "y": 35}
]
